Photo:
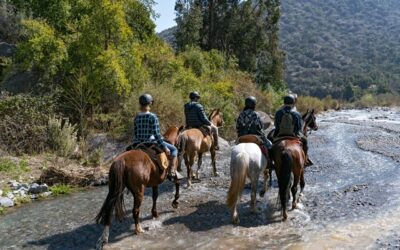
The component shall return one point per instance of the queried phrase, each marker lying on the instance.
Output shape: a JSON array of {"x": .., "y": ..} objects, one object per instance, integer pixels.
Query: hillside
[{"x": 331, "y": 45}]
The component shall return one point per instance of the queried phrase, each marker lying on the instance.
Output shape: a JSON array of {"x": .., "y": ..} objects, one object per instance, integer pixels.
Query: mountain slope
[
  {"x": 332, "y": 43},
  {"x": 338, "y": 47}
]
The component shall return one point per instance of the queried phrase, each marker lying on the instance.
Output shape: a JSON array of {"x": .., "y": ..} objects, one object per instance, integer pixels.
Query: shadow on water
[{"x": 213, "y": 214}]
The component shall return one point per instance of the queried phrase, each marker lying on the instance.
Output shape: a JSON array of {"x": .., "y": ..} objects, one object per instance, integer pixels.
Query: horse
[
  {"x": 134, "y": 170},
  {"x": 309, "y": 123},
  {"x": 246, "y": 160},
  {"x": 192, "y": 143},
  {"x": 172, "y": 134},
  {"x": 289, "y": 158}
]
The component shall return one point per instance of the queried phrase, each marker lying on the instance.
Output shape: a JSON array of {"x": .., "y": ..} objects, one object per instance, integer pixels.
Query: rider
[
  {"x": 147, "y": 129},
  {"x": 288, "y": 122},
  {"x": 196, "y": 117},
  {"x": 249, "y": 122}
]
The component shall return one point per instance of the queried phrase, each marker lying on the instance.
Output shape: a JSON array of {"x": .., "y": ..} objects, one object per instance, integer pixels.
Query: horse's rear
[
  {"x": 246, "y": 160},
  {"x": 289, "y": 158},
  {"x": 192, "y": 143}
]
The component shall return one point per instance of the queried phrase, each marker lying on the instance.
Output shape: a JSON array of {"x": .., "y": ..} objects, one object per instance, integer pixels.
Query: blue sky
[{"x": 165, "y": 8}]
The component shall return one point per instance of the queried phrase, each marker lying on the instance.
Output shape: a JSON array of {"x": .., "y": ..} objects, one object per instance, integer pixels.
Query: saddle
[
  {"x": 205, "y": 130},
  {"x": 253, "y": 139},
  {"x": 278, "y": 139},
  {"x": 157, "y": 155}
]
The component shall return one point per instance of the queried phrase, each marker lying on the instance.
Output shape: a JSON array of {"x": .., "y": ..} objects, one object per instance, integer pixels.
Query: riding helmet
[
  {"x": 288, "y": 99},
  {"x": 145, "y": 99},
  {"x": 194, "y": 95},
  {"x": 250, "y": 102}
]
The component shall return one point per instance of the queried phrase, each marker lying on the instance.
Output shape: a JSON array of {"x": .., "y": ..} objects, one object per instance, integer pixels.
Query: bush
[
  {"x": 23, "y": 124},
  {"x": 61, "y": 189},
  {"x": 62, "y": 137},
  {"x": 308, "y": 102}
]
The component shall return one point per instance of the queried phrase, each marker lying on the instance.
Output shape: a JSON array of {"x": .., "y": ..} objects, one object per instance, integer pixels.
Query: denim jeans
[{"x": 172, "y": 149}]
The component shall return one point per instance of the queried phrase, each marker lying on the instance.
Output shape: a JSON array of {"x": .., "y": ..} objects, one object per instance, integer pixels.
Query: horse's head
[
  {"x": 217, "y": 118},
  {"x": 171, "y": 135},
  {"x": 310, "y": 120}
]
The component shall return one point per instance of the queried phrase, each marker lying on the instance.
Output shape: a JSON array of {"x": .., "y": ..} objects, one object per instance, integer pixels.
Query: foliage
[
  {"x": 42, "y": 51},
  {"x": 62, "y": 136},
  {"x": 19, "y": 200},
  {"x": 247, "y": 30},
  {"x": 23, "y": 127},
  {"x": 60, "y": 189}
]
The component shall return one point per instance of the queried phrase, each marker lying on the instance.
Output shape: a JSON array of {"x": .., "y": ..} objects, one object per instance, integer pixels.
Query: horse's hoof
[
  {"x": 294, "y": 205},
  {"x": 235, "y": 220},
  {"x": 262, "y": 193},
  {"x": 154, "y": 214},
  {"x": 138, "y": 230},
  {"x": 100, "y": 243},
  {"x": 284, "y": 218},
  {"x": 175, "y": 204},
  {"x": 216, "y": 174}
]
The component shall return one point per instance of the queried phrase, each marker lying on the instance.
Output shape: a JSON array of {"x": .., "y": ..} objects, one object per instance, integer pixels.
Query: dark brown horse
[
  {"x": 135, "y": 171},
  {"x": 192, "y": 143},
  {"x": 289, "y": 157}
]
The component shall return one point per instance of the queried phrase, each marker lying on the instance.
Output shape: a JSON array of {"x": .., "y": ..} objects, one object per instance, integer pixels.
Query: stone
[
  {"x": 1, "y": 192},
  {"x": 46, "y": 194},
  {"x": 6, "y": 202},
  {"x": 10, "y": 195},
  {"x": 14, "y": 184},
  {"x": 34, "y": 196},
  {"x": 37, "y": 189}
]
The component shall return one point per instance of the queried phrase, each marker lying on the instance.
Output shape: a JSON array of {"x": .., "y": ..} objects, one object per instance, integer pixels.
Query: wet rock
[
  {"x": 6, "y": 202},
  {"x": 37, "y": 189}
]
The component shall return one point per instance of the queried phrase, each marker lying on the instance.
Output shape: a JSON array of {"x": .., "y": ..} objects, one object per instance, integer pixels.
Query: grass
[
  {"x": 3, "y": 210},
  {"x": 13, "y": 168},
  {"x": 19, "y": 200},
  {"x": 61, "y": 189}
]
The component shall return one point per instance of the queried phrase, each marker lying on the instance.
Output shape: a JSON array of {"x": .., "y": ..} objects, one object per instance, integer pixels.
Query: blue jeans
[{"x": 172, "y": 149}]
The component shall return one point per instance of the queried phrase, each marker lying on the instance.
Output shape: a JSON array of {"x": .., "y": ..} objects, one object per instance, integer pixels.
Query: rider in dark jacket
[
  {"x": 196, "y": 117},
  {"x": 249, "y": 122},
  {"x": 288, "y": 122}
]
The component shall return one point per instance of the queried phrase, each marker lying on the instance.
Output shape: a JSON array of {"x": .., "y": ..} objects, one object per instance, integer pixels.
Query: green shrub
[
  {"x": 309, "y": 102},
  {"x": 62, "y": 137},
  {"x": 3, "y": 210},
  {"x": 23, "y": 123},
  {"x": 19, "y": 200},
  {"x": 61, "y": 189}
]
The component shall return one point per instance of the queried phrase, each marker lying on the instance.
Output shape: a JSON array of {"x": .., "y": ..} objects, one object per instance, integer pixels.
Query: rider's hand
[{"x": 167, "y": 152}]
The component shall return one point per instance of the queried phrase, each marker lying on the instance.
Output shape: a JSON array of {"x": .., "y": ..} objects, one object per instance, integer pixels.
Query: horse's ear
[
  {"x": 217, "y": 112},
  {"x": 307, "y": 111},
  {"x": 180, "y": 128},
  {"x": 312, "y": 111}
]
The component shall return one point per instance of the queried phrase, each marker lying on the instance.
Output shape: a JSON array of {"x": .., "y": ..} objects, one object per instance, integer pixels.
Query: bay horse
[
  {"x": 289, "y": 158},
  {"x": 247, "y": 160},
  {"x": 133, "y": 170},
  {"x": 192, "y": 143}
]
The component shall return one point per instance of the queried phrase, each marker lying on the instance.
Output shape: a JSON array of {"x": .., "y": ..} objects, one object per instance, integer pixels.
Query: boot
[{"x": 172, "y": 173}]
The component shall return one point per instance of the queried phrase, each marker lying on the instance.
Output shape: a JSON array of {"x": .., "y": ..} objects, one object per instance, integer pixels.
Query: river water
[{"x": 352, "y": 201}]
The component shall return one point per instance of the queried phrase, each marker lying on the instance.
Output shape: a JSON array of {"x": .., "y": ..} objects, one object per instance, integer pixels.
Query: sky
[{"x": 165, "y": 8}]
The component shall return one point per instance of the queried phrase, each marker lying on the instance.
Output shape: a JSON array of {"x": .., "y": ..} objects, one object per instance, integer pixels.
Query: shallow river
[{"x": 352, "y": 200}]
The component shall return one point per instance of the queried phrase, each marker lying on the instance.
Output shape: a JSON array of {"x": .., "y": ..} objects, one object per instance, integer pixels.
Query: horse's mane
[{"x": 212, "y": 114}]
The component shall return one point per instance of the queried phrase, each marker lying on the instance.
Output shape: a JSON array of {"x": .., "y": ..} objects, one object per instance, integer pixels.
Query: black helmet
[
  {"x": 250, "y": 102},
  {"x": 145, "y": 99},
  {"x": 288, "y": 99},
  {"x": 194, "y": 95}
]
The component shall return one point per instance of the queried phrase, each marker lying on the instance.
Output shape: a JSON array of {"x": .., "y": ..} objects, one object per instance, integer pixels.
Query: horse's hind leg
[
  {"x": 302, "y": 183},
  {"x": 138, "y": 198},
  {"x": 254, "y": 196},
  {"x": 294, "y": 191},
  {"x": 213, "y": 162},
  {"x": 199, "y": 162},
  {"x": 189, "y": 163},
  {"x": 154, "y": 208},
  {"x": 265, "y": 188}
]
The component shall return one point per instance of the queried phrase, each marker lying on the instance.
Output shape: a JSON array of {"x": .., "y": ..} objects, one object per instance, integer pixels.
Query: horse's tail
[
  {"x": 239, "y": 168},
  {"x": 284, "y": 177},
  {"x": 115, "y": 196},
  {"x": 181, "y": 145}
]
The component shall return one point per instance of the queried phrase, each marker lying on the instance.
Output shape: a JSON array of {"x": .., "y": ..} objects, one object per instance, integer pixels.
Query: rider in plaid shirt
[{"x": 147, "y": 129}]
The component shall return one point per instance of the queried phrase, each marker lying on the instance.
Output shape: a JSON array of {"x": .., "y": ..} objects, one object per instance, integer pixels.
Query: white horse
[{"x": 246, "y": 160}]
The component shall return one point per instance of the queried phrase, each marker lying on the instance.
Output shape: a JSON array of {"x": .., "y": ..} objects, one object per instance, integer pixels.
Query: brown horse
[
  {"x": 192, "y": 143},
  {"x": 172, "y": 134},
  {"x": 289, "y": 157},
  {"x": 134, "y": 170}
]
